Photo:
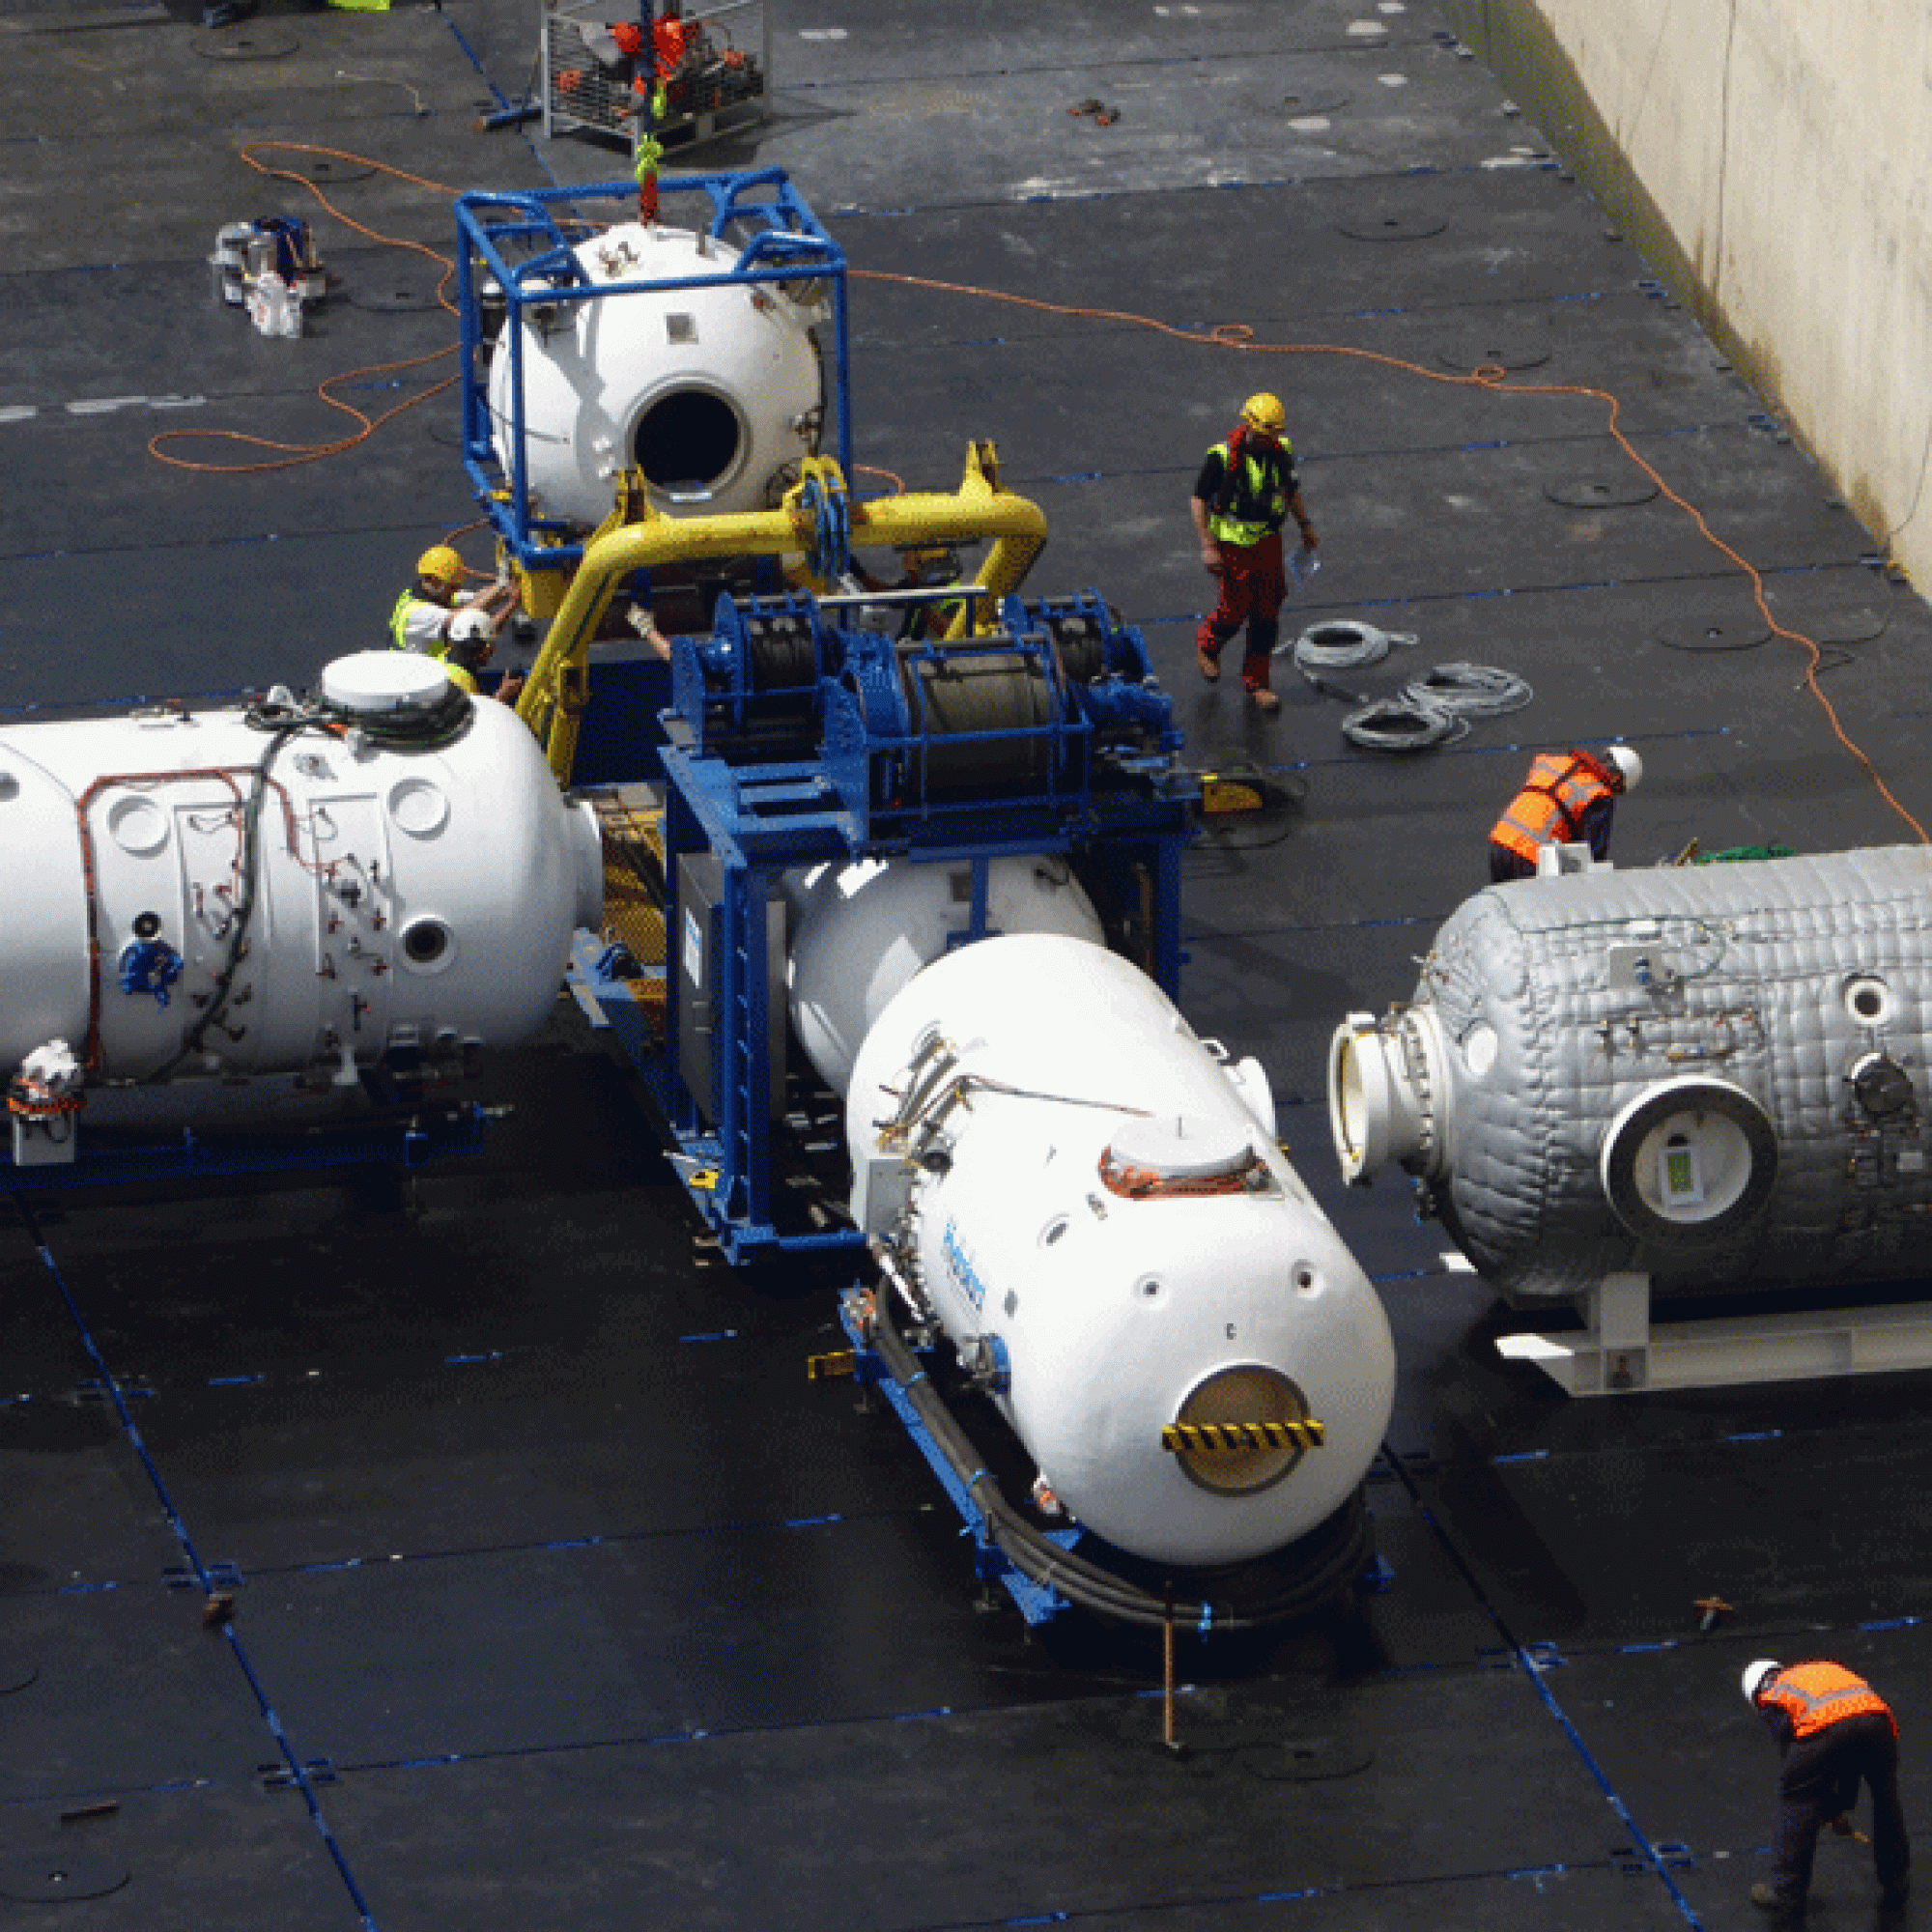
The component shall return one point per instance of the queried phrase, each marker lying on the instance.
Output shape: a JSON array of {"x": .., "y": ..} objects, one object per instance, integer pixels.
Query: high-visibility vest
[
  {"x": 1549, "y": 809},
  {"x": 1817, "y": 1696},
  {"x": 1257, "y": 492},
  {"x": 399, "y": 622}
]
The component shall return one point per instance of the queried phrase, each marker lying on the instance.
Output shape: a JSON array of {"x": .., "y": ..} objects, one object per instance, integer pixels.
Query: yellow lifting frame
[{"x": 557, "y": 689}]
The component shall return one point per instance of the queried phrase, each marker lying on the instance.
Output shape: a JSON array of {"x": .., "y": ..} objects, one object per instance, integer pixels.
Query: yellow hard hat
[
  {"x": 440, "y": 565},
  {"x": 1265, "y": 411}
]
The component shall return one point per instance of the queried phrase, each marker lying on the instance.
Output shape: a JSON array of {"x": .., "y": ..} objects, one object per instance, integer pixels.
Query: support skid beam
[{"x": 1619, "y": 1352}]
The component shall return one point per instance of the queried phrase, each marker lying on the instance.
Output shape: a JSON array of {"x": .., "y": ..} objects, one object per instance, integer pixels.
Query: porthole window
[
  {"x": 428, "y": 946},
  {"x": 1868, "y": 999}
]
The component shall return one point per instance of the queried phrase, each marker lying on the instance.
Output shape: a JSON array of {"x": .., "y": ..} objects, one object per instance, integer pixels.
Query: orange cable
[
  {"x": 1239, "y": 336},
  {"x": 298, "y": 453},
  {"x": 1224, "y": 336}
]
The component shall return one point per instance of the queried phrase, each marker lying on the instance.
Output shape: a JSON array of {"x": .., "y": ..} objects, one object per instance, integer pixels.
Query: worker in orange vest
[
  {"x": 1568, "y": 799},
  {"x": 1834, "y": 1732}
]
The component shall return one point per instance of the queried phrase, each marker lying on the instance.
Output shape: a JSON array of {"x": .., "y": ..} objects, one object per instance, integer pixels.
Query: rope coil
[
  {"x": 1342, "y": 645},
  {"x": 1395, "y": 725},
  {"x": 1469, "y": 689}
]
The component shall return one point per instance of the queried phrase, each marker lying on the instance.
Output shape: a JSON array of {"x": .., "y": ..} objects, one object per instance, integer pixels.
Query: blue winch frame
[
  {"x": 1109, "y": 791},
  {"x": 786, "y": 245}
]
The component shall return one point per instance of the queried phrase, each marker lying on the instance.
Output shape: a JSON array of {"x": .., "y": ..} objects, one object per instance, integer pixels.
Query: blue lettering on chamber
[{"x": 959, "y": 1265}]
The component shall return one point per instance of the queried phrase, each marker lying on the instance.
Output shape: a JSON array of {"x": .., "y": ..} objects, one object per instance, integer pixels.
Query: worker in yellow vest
[
  {"x": 1248, "y": 486},
  {"x": 1834, "y": 1732},
  {"x": 422, "y": 616}
]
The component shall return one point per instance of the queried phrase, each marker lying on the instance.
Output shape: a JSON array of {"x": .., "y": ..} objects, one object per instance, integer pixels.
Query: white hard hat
[
  {"x": 1755, "y": 1675},
  {"x": 470, "y": 627},
  {"x": 1628, "y": 763}
]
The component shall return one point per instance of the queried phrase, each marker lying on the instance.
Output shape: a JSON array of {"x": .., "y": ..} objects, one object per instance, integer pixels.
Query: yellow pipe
[{"x": 981, "y": 509}]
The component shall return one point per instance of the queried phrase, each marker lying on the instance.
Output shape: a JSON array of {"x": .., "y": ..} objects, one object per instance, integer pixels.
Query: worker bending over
[
  {"x": 1570, "y": 798},
  {"x": 1834, "y": 1732},
  {"x": 1247, "y": 489},
  {"x": 421, "y": 619}
]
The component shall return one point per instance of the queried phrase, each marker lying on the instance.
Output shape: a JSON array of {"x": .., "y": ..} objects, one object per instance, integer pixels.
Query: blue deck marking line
[
  {"x": 1893, "y": 1623},
  {"x": 1755, "y": 1436},
  {"x": 468, "y": 1361},
  {"x": 1523, "y": 1455},
  {"x": 234, "y": 1381},
  {"x": 714, "y": 1335},
  {"x": 1652, "y": 1856},
  {"x": 734, "y": 1527},
  {"x": 202, "y": 1572},
  {"x": 1534, "y": 1661},
  {"x": 300, "y": 1773},
  {"x": 501, "y": 99}
]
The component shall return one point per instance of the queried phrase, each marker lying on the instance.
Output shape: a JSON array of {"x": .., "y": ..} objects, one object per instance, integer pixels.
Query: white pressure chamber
[
  {"x": 1091, "y": 1198},
  {"x": 712, "y": 392},
  {"x": 334, "y": 893}
]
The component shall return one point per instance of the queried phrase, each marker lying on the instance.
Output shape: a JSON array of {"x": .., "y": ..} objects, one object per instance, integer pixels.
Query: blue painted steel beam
[
  {"x": 407, "y": 1143},
  {"x": 1039, "y": 1603}
]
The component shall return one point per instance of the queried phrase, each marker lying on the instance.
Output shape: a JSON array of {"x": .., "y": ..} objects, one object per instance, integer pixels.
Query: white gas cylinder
[
  {"x": 357, "y": 894},
  {"x": 711, "y": 391},
  {"x": 1092, "y": 1194}
]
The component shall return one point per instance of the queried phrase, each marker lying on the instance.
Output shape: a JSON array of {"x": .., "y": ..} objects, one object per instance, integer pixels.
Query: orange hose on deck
[{"x": 1238, "y": 336}]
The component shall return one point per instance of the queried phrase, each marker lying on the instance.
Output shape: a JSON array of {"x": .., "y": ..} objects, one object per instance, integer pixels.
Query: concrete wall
[{"x": 1774, "y": 158}]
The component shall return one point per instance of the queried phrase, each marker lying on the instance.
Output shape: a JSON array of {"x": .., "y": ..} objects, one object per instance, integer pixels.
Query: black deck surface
[{"x": 561, "y": 1599}]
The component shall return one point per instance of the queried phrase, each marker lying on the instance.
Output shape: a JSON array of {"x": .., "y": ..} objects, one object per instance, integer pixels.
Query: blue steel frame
[
  {"x": 786, "y": 245},
  {"x": 409, "y": 1141},
  {"x": 759, "y": 818},
  {"x": 1039, "y": 1603}
]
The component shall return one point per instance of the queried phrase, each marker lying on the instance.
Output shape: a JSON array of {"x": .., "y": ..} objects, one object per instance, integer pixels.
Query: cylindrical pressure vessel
[
  {"x": 1099, "y": 1215},
  {"x": 711, "y": 391},
  {"x": 333, "y": 893},
  {"x": 865, "y": 929},
  {"x": 1712, "y": 1075}
]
